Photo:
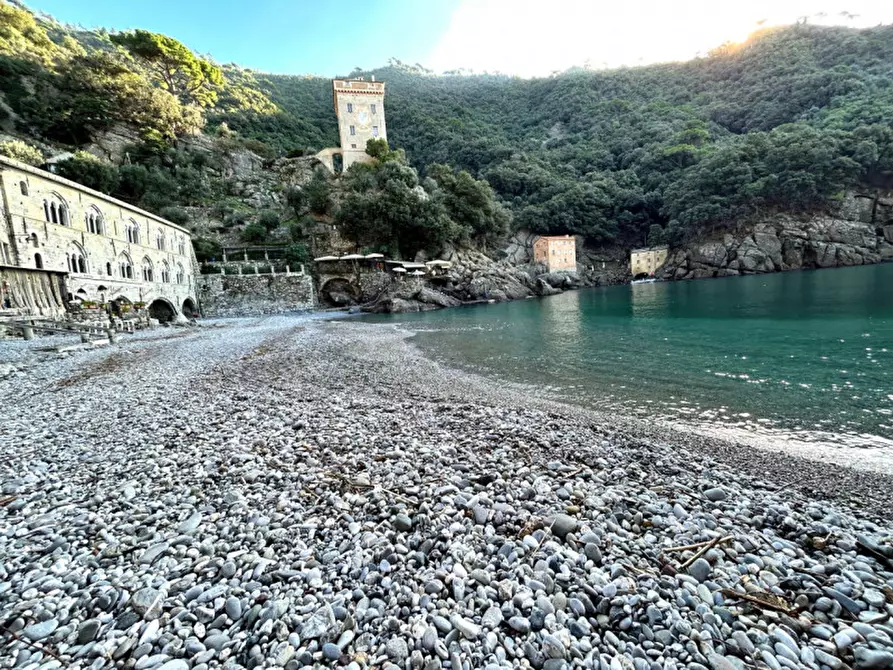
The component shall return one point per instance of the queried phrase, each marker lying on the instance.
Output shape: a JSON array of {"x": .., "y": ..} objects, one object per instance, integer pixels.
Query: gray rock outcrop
[{"x": 784, "y": 243}]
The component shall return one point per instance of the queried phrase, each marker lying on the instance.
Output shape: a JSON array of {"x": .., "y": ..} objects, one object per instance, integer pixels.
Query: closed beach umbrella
[
  {"x": 322, "y": 259},
  {"x": 352, "y": 257},
  {"x": 374, "y": 256},
  {"x": 399, "y": 269},
  {"x": 417, "y": 273}
]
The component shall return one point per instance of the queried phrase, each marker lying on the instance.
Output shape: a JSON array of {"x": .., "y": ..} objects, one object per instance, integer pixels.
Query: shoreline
[
  {"x": 800, "y": 464},
  {"x": 296, "y": 493}
]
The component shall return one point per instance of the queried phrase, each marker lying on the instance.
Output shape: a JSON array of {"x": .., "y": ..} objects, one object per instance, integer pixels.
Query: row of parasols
[{"x": 400, "y": 267}]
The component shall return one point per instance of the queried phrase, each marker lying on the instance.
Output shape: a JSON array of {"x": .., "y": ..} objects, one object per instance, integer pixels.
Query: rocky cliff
[{"x": 860, "y": 232}]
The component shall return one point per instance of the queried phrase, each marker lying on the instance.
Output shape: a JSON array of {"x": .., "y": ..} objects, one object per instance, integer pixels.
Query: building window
[
  {"x": 24, "y": 187},
  {"x": 165, "y": 273},
  {"x": 125, "y": 267},
  {"x": 108, "y": 269},
  {"x": 34, "y": 240},
  {"x": 353, "y": 130},
  {"x": 372, "y": 107},
  {"x": 56, "y": 211},
  {"x": 353, "y": 146},
  {"x": 374, "y": 131},
  {"x": 132, "y": 232},
  {"x": 94, "y": 221},
  {"x": 180, "y": 273},
  {"x": 77, "y": 260},
  {"x": 159, "y": 240},
  {"x": 350, "y": 108},
  {"x": 182, "y": 247},
  {"x": 148, "y": 270},
  {"x": 38, "y": 262}
]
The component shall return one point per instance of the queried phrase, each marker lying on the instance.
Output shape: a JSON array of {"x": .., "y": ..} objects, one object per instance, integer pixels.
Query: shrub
[
  {"x": 206, "y": 249},
  {"x": 268, "y": 219},
  {"x": 295, "y": 254},
  {"x": 176, "y": 215},
  {"x": 87, "y": 169},
  {"x": 20, "y": 151},
  {"x": 254, "y": 233}
]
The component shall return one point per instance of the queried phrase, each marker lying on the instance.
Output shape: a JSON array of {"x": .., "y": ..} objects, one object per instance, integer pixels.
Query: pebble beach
[{"x": 295, "y": 493}]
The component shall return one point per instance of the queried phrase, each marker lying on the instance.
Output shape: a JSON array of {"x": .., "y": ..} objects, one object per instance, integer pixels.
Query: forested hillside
[{"x": 784, "y": 122}]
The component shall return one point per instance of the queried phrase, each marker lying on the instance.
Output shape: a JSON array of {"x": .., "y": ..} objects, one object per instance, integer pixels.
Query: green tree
[
  {"x": 87, "y": 169},
  {"x": 317, "y": 192},
  {"x": 470, "y": 203},
  {"x": 268, "y": 219},
  {"x": 296, "y": 254},
  {"x": 206, "y": 249},
  {"x": 192, "y": 79},
  {"x": 21, "y": 151},
  {"x": 254, "y": 233}
]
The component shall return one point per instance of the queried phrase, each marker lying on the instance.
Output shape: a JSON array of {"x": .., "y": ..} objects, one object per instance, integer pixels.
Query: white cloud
[{"x": 536, "y": 37}]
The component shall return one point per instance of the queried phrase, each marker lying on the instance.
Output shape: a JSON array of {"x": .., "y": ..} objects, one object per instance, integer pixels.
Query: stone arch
[
  {"x": 163, "y": 310},
  {"x": 338, "y": 292},
  {"x": 189, "y": 308},
  {"x": 641, "y": 275}
]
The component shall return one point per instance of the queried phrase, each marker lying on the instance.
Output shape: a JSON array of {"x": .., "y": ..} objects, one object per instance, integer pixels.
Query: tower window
[
  {"x": 353, "y": 130},
  {"x": 373, "y": 108},
  {"x": 349, "y": 107},
  {"x": 24, "y": 187},
  {"x": 374, "y": 131}
]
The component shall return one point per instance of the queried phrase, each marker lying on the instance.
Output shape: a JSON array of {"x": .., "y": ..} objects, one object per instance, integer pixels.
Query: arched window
[
  {"x": 34, "y": 241},
  {"x": 108, "y": 269},
  {"x": 38, "y": 262},
  {"x": 94, "y": 220},
  {"x": 148, "y": 270},
  {"x": 159, "y": 240},
  {"x": 24, "y": 187},
  {"x": 125, "y": 267},
  {"x": 132, "y": 231},
  {"x": 181, "y": 276},
  {"x": 77, "y": 259},
  {"x": 165, "y": 272},
  {"x": 55, "y": 210},
  {"x": 182, "y": 246}
]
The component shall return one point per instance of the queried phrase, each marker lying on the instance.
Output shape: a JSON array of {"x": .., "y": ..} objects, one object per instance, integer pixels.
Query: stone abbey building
[{"x": 62, "y": 243}]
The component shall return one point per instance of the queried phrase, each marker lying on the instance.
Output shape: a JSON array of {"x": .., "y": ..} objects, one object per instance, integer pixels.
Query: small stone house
[
  {"x": 557, "y": 253},
  {"x": 647, "y": 261}
]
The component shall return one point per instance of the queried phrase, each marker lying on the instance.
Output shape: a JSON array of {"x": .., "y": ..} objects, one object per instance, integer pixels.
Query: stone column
[{"x": 287, "y": 271}]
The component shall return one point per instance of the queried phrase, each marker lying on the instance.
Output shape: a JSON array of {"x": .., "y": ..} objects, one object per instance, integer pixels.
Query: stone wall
[{"x": 253, "y": 295}]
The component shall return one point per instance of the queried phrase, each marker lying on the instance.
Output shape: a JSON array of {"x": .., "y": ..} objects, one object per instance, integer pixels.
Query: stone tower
[{"x": 359, "y": 105}]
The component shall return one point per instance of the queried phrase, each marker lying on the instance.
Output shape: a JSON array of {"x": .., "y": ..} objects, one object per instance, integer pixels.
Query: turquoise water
[{"x": 802, "y": 355}]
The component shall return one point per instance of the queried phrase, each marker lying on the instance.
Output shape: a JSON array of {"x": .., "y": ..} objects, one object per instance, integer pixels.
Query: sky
[{"x": 523, "y": 37}]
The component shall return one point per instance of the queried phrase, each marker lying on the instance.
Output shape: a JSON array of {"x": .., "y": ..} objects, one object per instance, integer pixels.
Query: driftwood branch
[
  {"x": 703, "y": 550},
  {"x": 31, "y": 644},
  {"x": 698, "y": 545}
]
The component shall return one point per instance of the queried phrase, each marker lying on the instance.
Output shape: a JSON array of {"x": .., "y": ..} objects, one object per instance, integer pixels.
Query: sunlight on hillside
[{"x": 534, "y": 39}]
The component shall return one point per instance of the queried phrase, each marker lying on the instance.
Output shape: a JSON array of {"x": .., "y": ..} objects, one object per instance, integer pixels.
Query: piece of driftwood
[
  {"x": 698, "y": 545},
  {"x": 703, "y": 550},
  {"x": 763, "y": 600}
]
